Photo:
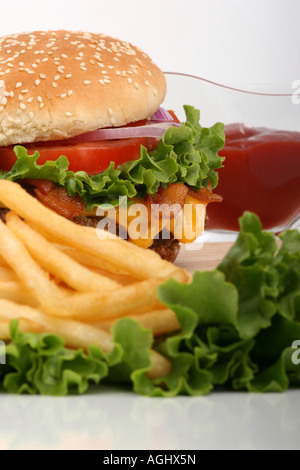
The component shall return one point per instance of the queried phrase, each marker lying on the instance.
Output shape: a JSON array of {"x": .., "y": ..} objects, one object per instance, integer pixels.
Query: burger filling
[{"x": 169, "y": 178}]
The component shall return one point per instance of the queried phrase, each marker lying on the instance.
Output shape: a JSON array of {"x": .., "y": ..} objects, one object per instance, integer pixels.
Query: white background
[{"x": 228, "y": 41}]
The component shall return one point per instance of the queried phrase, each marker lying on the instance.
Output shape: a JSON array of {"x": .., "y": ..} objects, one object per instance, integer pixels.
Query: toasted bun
[{"x": 58, "y": 84}]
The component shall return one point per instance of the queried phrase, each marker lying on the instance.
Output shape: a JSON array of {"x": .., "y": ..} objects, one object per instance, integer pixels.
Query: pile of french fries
[{"x": 63, "y": 278}]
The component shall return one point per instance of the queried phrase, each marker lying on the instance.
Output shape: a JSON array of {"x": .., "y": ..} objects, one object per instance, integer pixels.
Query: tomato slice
[{"x": 92, "y": 157}]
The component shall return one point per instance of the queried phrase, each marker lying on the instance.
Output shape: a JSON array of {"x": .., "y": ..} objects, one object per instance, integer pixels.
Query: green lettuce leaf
[
  {"x": 187, "y": 154},
  {"x": 238, "y": 328},
  {"x": 39, "y": 363}
]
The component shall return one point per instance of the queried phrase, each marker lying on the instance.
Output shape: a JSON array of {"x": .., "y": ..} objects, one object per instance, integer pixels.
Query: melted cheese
[{"x": 142, "y": 229}]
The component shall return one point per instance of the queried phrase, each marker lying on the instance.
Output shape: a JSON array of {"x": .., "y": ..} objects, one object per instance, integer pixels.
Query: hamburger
[{"x": 81, "y": 128}]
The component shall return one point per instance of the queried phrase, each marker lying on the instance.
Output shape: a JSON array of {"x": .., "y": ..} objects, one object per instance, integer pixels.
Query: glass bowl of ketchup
[{"x": 261, "y": 170}]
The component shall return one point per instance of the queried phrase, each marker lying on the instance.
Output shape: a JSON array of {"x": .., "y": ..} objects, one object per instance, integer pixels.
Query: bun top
[{"x": 58, "y": 84}]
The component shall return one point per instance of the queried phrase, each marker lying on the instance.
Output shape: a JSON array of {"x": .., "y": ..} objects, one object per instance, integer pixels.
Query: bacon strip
[
  {"x": 171, "y": 200},
  {"x": 205, "y": 195},
  {"x": 57, "y": 198}
]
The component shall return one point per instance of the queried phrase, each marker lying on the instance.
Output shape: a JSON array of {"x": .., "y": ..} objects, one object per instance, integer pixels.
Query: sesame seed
[
  {"x": 20, "y": 97},
  {"x": 57, "y": 77},
  {"x": 118, "y": 72},
  {"x": 54, "y": 84},
  {"x": 87, "y": 82},
  {"x": 42, "y": 75},
  {"x": 83, "y": 68},
  {"x": 68, "y": 114},
  {"x": 18, "y": 112},
  {"x": 129, "y": 80},
  {"x": 24, "y": 91},
  {"x": 104, "y": 72},
  {"x": 63, "y": 95},
  {"x": 149, "y": 73},
  {"x": 70, "y": 92},
  {"x": 37, "y": 82},
  {"x": 22, "y": 106},
  {"x": 136, "y": 86},
  {"x": 19, "y": 84},
  {"x": 30, "y": 100},
  {"x": 69, "y": 75},
  {"x": 101, "y": 82},
  {"x": 64, "y": 56},
  {"x": 154, "y": 92},
  {"x": 42, "y": 105},
  {"x": 147, "y": 83},
  {"x": 34, "y": 66},
  {"x": 39, "y": 98},
  {"x": 9, "y": 64},
  {"x": 45, "y": 59},
  {"x": 11, "y": 94}
]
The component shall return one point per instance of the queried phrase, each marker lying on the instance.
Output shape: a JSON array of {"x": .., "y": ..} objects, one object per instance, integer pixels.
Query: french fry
[
  {"x": 94, "y": 306},
  {"x": 93, "y": 262},
  {"x": 29, "y": 272},
  {"x": 57, "y": 301},
  {"x": 76, "y": 334},
  {"x": 57, "y": 262},
  {"x": 17, "y": 292},
  {"x": 132, "y": 259},
  {"x": 91, "y": 306},
  {"x": 24, "y": 325},
  {"x": 158, "y": 321},
  {"x": 7, "y": 274}
]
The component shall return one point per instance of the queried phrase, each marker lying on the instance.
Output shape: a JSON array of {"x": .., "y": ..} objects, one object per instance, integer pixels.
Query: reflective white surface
[{"x": 118, "y": 420}]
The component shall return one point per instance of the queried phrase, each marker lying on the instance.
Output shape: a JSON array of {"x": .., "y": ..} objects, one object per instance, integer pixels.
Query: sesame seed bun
[{"x": 58, "y": 84}]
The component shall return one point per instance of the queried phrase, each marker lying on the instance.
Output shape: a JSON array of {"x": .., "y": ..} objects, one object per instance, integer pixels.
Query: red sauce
[{"x": 261, "y": 174}]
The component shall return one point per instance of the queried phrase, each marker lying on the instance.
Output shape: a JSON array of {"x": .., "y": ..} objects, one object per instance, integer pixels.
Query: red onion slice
[
  {"x": 162, "y": 115},
  {"x": 113, "y": 133}
]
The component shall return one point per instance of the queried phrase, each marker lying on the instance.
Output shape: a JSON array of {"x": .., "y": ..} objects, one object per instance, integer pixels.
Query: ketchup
[{"x": 261, "y": 174}]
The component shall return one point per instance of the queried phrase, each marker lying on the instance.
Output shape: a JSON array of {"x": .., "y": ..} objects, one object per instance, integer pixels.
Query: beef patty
[{"x": 167, "y": 247}]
